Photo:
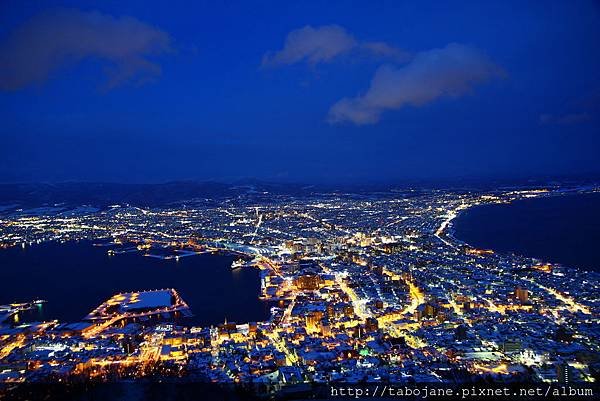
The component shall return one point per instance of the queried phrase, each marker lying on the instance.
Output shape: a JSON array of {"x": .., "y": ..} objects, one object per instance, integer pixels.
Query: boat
[{"x": 236, "y": 264}]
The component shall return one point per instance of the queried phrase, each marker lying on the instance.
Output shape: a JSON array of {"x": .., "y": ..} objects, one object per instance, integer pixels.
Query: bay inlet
[
  {"x": 75, "y": 277},
  {"x": 557, "y": 229}
]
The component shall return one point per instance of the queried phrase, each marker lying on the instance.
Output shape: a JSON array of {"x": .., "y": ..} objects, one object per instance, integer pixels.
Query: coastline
[
  {"x": 450, "y": 231},
  {"x": 148, "y": 273}
]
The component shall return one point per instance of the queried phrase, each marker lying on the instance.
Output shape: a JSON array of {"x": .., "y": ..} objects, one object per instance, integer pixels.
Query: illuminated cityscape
[
  {"x": 370, "y": 287},
  {"x": 299, "y": 200}
]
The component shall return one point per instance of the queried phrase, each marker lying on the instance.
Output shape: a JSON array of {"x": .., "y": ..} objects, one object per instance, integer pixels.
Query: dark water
[
  {"x": 76, "y": 277},
  {"x": 564, "y": 229}
]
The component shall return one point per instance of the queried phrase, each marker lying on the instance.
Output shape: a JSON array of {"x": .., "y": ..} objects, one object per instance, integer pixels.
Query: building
[{"x": 521, "y": 294}]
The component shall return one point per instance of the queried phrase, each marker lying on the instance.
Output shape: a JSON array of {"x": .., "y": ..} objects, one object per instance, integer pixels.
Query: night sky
[{"x": 336, "y": 91}]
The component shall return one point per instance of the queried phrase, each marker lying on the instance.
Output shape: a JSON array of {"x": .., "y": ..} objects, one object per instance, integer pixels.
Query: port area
[
  {"x": 158, "y": 251},
  {"x": 246, "y": 256},
  {"x": 139, "y": 306},
  {"x": 11, "y": 310}
]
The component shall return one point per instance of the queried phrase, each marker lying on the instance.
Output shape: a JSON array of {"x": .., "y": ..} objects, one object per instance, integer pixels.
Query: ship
[{"x": 236, "y": 264}]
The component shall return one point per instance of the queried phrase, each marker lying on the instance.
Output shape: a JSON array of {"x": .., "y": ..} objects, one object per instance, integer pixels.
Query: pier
[
  {"x": 10, "y": 310},
  {"x": 136, "y": 305}
]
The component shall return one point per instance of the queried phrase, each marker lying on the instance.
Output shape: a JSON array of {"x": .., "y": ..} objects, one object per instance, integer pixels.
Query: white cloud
[
  {"x": 448, "y": 72},
  {"x": 323, "y": 44},
  {"x": 49, "y": 41},
  {"x": 385, "y": 50}
]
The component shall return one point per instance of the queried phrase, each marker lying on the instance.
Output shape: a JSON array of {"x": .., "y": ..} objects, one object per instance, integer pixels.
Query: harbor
[
  {"x": 12, "y": 310},
  {"x": 56, "y": 273}
]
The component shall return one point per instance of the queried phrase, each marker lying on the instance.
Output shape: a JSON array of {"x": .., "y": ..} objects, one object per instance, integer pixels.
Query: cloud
[
  {"x": 566, "y": 119},
  {"x": 322, "y": 45},
  {"x": 448, "y": 72},
  {"x": 50, "y": 41},
  {"x": 579, "y": 111},
  {"x": 385, "y": 50}
]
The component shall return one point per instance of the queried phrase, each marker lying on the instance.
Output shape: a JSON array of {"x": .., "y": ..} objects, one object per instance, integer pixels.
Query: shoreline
[
  {"x": 449, "y": 231},
  {"x": 260, "y": 302}
]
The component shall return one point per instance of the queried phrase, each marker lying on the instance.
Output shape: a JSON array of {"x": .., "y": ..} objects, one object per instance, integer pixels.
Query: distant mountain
[{"x": 104, "y": 194}]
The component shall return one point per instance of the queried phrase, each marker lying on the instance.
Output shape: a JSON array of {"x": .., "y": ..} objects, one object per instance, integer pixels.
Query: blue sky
[{"x": 298, "y": 91}]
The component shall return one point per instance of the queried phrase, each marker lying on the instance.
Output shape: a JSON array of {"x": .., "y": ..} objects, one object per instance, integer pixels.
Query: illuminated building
[{"x": 521, "y": 294}]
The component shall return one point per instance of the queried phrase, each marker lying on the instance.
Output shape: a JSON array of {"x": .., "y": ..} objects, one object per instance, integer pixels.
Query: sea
[
  {"x": 75, "y": 277},
  {"x": 557, "y": 229}
]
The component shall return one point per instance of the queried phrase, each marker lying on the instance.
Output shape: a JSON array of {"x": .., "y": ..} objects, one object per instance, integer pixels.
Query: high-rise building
[
  {"x": 563, "y": 371},
  {"x": 521, "y": 294},
  {"x": 511, "y": 346},
  {"x": 371, "y": 324}
]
